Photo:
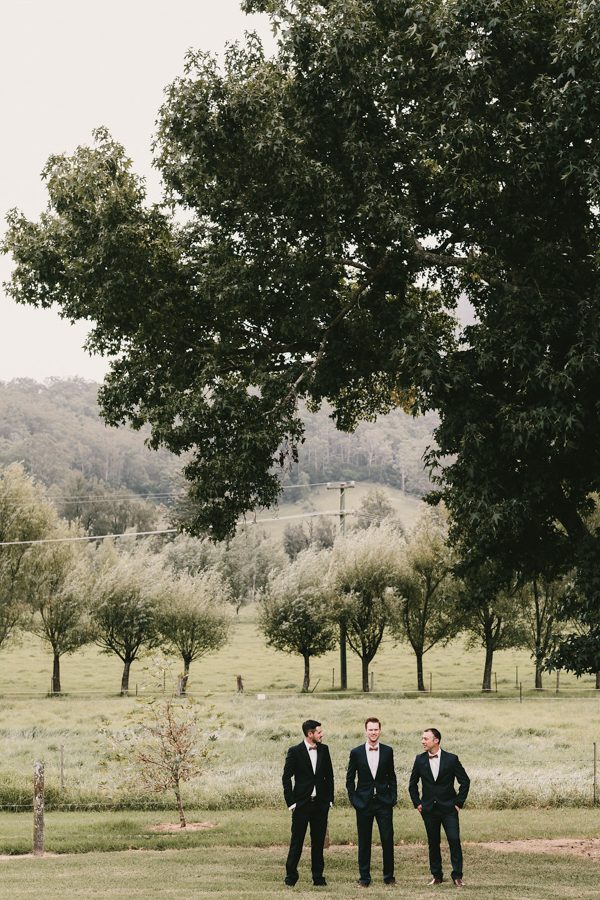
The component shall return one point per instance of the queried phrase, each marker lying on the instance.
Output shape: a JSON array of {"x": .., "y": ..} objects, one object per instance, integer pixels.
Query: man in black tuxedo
[
  {"x": 439, "y": 803},
  {"x": 308, "y": 799},
  {"x": 372, "y": 791}
]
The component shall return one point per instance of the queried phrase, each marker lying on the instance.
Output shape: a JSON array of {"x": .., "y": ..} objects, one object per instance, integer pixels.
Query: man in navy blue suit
[
  {"x": 372, "y": 791},
  {"x": 308, "y": 791},
  {"x": 439, "y": 803}
]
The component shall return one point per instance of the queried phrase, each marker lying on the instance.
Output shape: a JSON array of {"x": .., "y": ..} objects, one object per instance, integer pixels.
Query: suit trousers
[
  {"x": 315, "y": 815},
  {"x": 383, "y": 813},
  {"x": 434, "y": 821}
]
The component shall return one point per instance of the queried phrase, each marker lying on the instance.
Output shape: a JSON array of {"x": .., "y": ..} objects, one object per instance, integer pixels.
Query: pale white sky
[{"x": 67, "y": 66}]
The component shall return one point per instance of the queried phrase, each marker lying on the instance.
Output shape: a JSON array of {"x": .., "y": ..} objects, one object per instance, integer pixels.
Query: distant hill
[{"x": 54, "y": 428}]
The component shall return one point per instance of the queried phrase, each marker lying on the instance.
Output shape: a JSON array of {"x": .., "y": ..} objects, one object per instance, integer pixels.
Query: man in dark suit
[
  {"x": 372, "y": 791},
  {"x": 309, "y": 798},
  {"x": 439, "y": 803}
]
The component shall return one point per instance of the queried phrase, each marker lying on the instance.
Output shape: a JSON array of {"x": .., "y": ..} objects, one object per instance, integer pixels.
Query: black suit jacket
[
  {"x": 298, "y": 768},
  {"x": 362, "y": 789},
  {"x": 440, "y": 794}
]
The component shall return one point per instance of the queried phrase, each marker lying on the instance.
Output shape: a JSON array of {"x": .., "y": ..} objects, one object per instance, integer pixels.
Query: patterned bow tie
[
  {"x": 375, "y": 749},
  {"x": 433, "y": 755},
  {"x": 312, "y": 748}
]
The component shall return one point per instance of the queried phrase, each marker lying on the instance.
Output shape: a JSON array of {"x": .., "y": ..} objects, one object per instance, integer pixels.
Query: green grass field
[
  {"x": 243, "y": 855},
  {"x": 26, "y": 668},
  {"x": 563, "y": 727},
  {"x": 531, "y": 765}
]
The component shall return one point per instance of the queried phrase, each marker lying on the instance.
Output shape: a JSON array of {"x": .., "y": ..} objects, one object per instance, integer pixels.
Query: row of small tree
[
  {"x": 376, "y": 581},
  {"x": 126, "y": 601},
  {"x": 379, "y": 581}
]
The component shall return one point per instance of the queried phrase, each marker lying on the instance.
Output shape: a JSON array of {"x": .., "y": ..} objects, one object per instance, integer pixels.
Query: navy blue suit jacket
[
  {"x": 440, "y": 794},
  {"x": 298, "y": 778},
  {"x": 361, "y": 785}
]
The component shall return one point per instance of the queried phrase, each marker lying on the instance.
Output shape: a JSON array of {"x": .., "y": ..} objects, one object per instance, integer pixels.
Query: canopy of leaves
[
  {"x": 364, "y": 571},
  {"x": 191, "y": 615},
  {"x": 338, "y": 200},
  {"x": 296, "y": 609},
  {"x": 25, "y": 515}
]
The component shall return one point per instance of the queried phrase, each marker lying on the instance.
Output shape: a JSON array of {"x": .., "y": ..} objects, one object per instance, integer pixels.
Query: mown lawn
[{"x": 243, "y": 856}]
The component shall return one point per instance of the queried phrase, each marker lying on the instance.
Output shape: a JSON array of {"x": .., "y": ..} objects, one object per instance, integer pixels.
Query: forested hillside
[{"x": 55, "y": 430}]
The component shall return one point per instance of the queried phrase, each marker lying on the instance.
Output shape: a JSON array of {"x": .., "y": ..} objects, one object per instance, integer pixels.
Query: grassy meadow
[
  {"x": 499, "y": 739},
  {"x": 530, "y": 764},
  {"x": 243, "y": 854}
]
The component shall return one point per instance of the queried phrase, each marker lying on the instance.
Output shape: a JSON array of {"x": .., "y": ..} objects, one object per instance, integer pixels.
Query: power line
[
  {"x": 108, "y": 498},
  {"x": 135, "y": 534}
]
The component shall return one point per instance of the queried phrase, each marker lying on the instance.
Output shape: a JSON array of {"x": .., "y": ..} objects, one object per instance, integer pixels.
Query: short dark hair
[
  {"x": 372, "y": 719},
  {"x": 309, "y": 725},
  {"x": 437, "y": 735}
]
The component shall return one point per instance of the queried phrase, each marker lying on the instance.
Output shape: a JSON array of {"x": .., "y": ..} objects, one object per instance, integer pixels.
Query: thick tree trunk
[
  {"x": 125, "y": 677},
  {"x": 365, "y": 674},
  {"x": 56, "y": 674},
  {"x": 538, "y": 676},
  {"x": 487, "y": 669},
  {"x": 420, "y": 679},
  {"x": 306, "y": 682}
]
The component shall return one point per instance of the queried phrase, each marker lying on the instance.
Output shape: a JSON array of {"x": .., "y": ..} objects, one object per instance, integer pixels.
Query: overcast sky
[{"x": 67, "y": 66}]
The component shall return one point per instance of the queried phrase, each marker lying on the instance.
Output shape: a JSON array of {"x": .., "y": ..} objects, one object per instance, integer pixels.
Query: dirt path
[{"x": 588, "y": 847}]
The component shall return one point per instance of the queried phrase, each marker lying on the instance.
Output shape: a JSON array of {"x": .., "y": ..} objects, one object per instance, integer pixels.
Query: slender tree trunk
[
  {"x": 56, "y": 674},
  {"x": 365, "y": 673},
  {"x": 343, "y": 658},
  {"x": 538, "y": 675},
  {"x": 306, "y": 682},
  {"x": 487, "y": 668},
  {"x": 420, "y": 679},
  {"x": 182, "y": 821},
  {"x": 125, "y": 677},
  {"x": 598, "y": 681},
  {"x": 185, "y": 677}
]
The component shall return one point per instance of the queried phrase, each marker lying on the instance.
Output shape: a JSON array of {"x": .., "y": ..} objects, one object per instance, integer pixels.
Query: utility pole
[{"x": 341, "y": 486}]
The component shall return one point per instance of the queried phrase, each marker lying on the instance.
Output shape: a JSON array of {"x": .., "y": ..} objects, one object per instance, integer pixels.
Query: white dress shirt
[
  {"x": 435, "y": 764},
  {"x": 312, "y": 755},
  {"x": 372, "y": 758}
]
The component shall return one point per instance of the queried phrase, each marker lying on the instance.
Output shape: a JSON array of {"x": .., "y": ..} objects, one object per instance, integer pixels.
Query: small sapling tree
[{"x": 169, "y": 742}]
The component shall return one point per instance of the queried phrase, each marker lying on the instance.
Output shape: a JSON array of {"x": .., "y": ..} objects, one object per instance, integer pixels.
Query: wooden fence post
[{"x": 38, "y": 809}]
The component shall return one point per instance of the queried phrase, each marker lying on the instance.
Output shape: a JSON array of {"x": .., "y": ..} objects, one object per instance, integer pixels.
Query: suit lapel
[
  {"x": 382, "y": 750},
  {"x": 319, "y": 757}
]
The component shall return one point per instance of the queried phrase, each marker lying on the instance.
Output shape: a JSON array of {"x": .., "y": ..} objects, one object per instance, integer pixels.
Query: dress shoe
[
  {"x": 363, "y": 883},
  {"x": 288, "y": 883},
  {"x": 390, "y": 881},
  {"x": 458, "y": 882},
  {"x": 319, "y": 882},
  {"x": 436, "y": 880}
]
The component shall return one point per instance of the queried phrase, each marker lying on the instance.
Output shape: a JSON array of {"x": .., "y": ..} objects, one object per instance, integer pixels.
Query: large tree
[
  {"x": 365, "y": 569},
  {"x": 338, "y": 200},
  {"x": 428, "y": 611},
  {"x": 192, "y": 618},
  {"x": 26, "y": 516},
  {"x": 494, "y": 614},
  {"x": 124, "y": 604},
  {"x": 295, "y": 612},
  {"x": 59, "y": 577}
]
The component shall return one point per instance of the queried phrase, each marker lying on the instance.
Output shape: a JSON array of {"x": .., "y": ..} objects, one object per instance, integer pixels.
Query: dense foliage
[{"x": 338, "y": 200}]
